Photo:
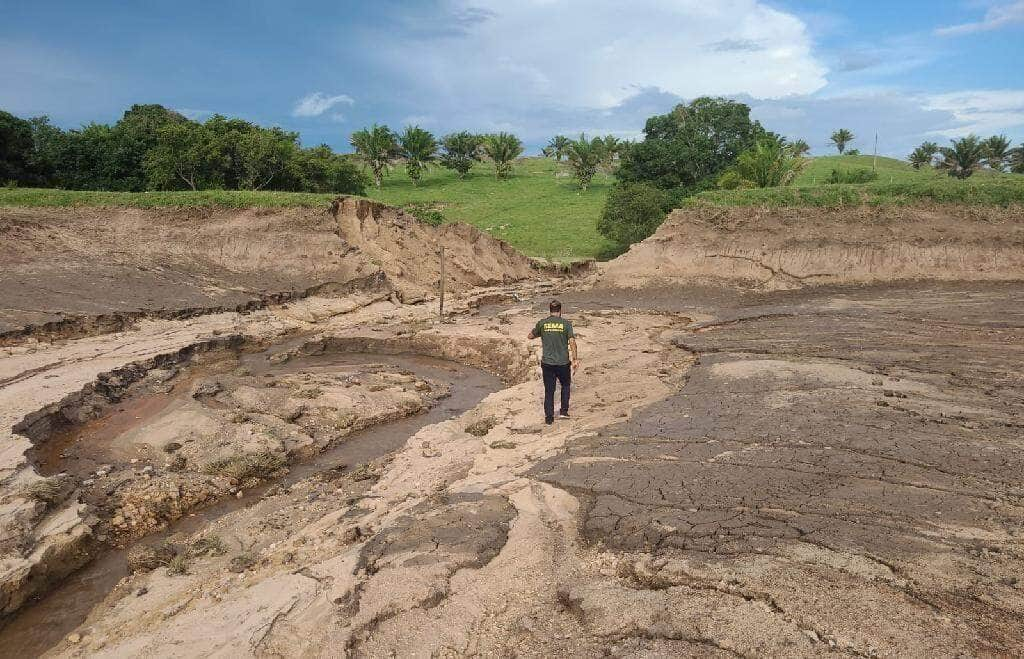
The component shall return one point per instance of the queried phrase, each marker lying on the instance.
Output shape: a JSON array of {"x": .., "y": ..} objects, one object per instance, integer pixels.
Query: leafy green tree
[
  {"x": 585, "y": 157},
  {"x": 632, "y": 212},
  {"x": 502, "y": 149},
  {"x": 688, "y": 148},
  {"x": 136, "y": 133},
  {"x": 264, "y": 156},
  {"x": 799, "y": 148},
  {"x": 963, "y": 157},
  {"x": 16, "y": 150},
  {"x": 841, "y": 138},
  {"x": 768, "y": 164},
  {"x": 419, "y": 149},
  {"x": 557, "y": 148},
  {"x": 924, "y": 154},
  {"x": 376, "y": 147},
  {"x": 460, "y": 151},
  {"x": 319, "y": 169},
  {"x": 187, "y": 153},
  {"x": 997, "y": 151},
  {"x": 1017, "y": 160}
]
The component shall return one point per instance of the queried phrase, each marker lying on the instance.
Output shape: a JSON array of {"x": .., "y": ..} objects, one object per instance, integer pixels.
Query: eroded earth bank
[{"x": 759, "y": 463}]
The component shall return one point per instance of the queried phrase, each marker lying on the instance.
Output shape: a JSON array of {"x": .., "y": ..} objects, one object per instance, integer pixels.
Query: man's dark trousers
[{"x": 563, "y": 374}]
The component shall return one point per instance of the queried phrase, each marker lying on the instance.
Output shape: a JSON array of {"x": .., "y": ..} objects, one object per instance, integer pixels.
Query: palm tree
[
  {"x": 841, "y": 138},
  {"x": 419, "y": 149},
  {"x": 965, "y": 156},
  {"x": 924, "y": 154},
  {"x": 768, "y": 164},
  {"x": 557, "y": 147},
  {"x": 503, "y": 149},
  {"x": 997, "y": 150},
  {"x": 585, "y": 156},
  {"x": 375, "y": 147},
  {"x": 799, "y": 148}
]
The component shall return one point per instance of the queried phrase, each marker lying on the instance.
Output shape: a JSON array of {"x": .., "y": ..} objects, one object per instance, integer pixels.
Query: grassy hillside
[
  {"x": 539, "y": 211},
  {"x": 889, "y": 170},
  {"x": 993, "y": 190}
]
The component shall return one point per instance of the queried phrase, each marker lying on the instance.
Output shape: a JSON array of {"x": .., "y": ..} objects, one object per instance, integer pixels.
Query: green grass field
[
  {"x": 898, "y": 183},
  {"x": 537, "y": 212},
  {"x": 889, "y": 170}
]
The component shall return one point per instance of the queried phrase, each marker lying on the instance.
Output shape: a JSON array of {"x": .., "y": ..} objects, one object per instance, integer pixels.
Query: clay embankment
[
  {"x": 796, "y": 247},
  {"x": 80, "y": 271},
  {"x": 84, "y": 272}
]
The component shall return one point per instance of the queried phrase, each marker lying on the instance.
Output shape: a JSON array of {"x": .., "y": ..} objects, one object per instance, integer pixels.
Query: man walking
[{"x": 559, "y": 342}]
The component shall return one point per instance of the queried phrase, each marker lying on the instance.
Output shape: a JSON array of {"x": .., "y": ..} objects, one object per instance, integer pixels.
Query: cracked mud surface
[
  {"x": 856, "y": 460},
  {"x": 778, "y": 474},
  {"x": 832, "y": 469}
]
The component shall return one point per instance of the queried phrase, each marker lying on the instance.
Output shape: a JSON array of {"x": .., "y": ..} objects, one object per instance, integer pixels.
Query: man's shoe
[
  {"x": 549, "y": 421},
  {"x": 563, "y": 415}
]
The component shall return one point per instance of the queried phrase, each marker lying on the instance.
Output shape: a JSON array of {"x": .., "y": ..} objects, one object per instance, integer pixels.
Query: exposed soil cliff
[
  {"x": 79, "y": 271},
  {"x": 795, "y": 247}
]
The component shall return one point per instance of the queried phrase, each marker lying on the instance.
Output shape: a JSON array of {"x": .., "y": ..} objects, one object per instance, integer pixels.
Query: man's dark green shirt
[{"x": 554, "y": 333}]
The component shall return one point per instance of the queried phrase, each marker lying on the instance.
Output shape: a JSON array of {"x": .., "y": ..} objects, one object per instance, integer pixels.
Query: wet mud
[
  {"x": 78, "y": 448},
  {"x": 874, "y": 434}
]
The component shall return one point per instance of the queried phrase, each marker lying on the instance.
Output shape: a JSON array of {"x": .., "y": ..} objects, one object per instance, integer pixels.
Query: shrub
[
  {"x": 425, "y": 212},
  {"x": 208, "y": 545},
  {"x": 633, "y": 212},
  {"x": 47, "y": 490},
  {"x": 249, "y": 465},
  {"x": 859, "y": 175},
  {"x": 178, "y": 565}
]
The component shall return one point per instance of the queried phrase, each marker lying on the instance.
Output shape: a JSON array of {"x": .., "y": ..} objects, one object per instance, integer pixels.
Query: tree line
[
  {"x": 379, "y": 148},
  {"x": 706, "y": 144},
  {"x": 968, "y": 154},
  {"x": 154, "y": 148}
]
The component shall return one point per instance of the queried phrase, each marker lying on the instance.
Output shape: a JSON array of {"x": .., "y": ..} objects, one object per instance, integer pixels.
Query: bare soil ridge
[
  {"x": 782, "y": 248},
  {"x": 62, "y": 267}
]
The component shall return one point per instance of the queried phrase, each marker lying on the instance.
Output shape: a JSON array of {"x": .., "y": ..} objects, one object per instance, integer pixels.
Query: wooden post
[
  {"x": 874, "y": 163},
  {"x": 440, "y": 308}
]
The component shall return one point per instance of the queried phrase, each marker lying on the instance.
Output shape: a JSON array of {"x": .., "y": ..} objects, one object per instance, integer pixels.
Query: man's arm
[
  {"x": 533, "y": 333},
  {"x": 574, "y": 355}
]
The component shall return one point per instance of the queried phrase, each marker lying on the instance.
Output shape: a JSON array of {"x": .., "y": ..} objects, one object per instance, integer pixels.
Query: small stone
[
  {"x": 74, "y": 638},
  {"x": 239, "y": 494}
]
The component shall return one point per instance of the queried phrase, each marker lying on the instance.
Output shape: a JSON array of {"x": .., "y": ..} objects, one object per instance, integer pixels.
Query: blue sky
[{"x": 910, "y": 70}]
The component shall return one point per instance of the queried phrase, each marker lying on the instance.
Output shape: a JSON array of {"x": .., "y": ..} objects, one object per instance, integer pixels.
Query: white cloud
[
  {"x": 980, "y": 111},
  {"x": 315, "y": 104},
  {"x": 592, "y": 54},
  {"x": 996, "y": 17}
]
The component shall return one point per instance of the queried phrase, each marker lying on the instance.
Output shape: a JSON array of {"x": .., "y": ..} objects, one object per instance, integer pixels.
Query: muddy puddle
[{"x": 79, "y": 449}]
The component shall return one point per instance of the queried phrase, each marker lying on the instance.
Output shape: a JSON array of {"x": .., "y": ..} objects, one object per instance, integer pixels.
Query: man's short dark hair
[{"x": 555, "y": 306}]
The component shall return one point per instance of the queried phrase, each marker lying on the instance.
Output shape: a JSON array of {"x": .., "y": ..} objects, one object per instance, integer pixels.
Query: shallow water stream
[{"x": 42, "y": 624}]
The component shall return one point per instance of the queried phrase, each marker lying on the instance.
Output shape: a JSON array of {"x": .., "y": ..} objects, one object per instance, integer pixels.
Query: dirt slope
[
  {"x": 101, "y": 268},
  {"x": 795, "y": 247}
]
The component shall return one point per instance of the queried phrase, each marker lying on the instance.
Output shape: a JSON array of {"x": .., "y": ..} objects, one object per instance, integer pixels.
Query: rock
[
  {"x": 206, "y": 388},
  {"x": 74, "y": 638},
  {"x": 171, "y": 447},
  {"x": 481, "y": 427}
]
